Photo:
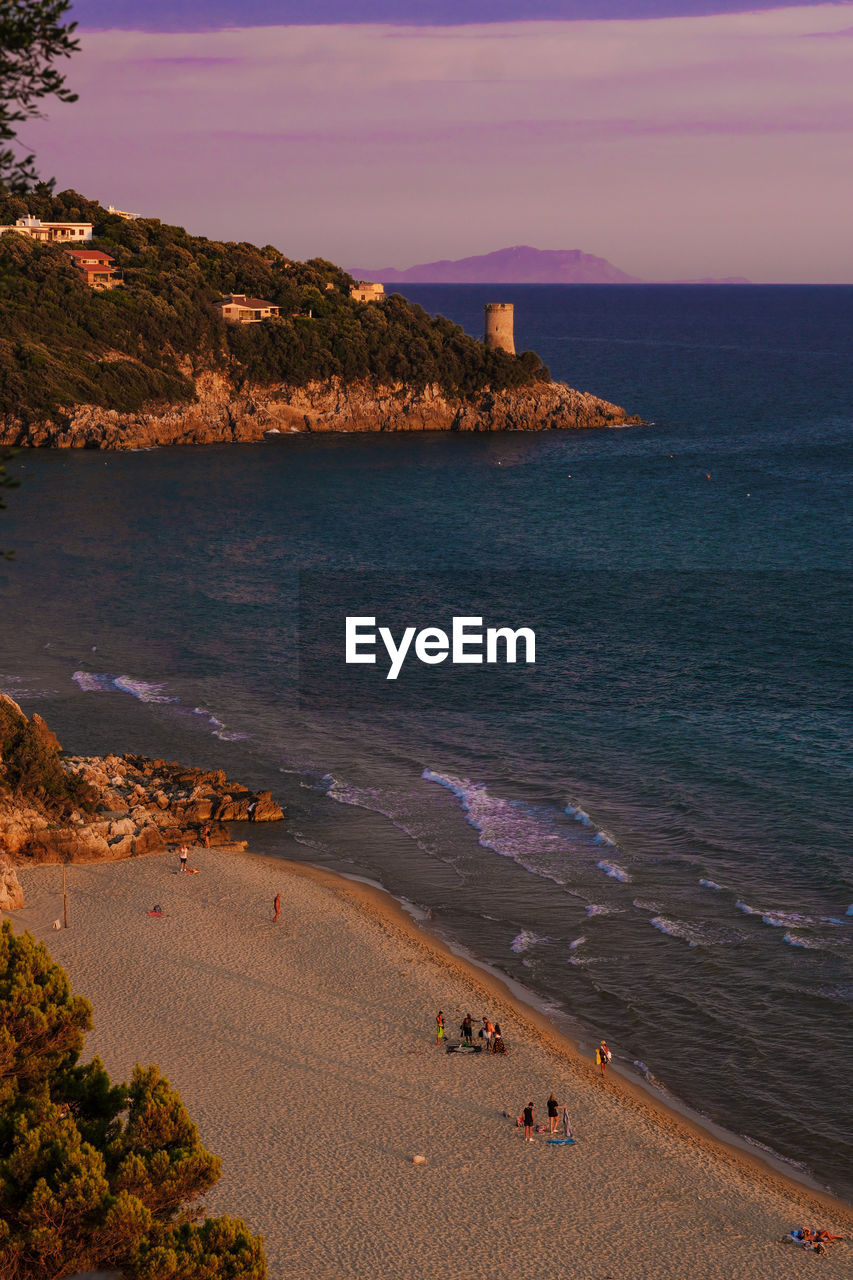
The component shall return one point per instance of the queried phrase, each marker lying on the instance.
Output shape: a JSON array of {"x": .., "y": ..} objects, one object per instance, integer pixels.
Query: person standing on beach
[
  {"x": 553, "y": 1113},
  {"x": 276, "y": 908},
  {"x": 528, "y": 1122},
  {"x": 439, "y": 1027},
  {"x": 488, "y": 1032},
  {"x": 603, "y": 1056},
  {"x": 185, "y": 853}
]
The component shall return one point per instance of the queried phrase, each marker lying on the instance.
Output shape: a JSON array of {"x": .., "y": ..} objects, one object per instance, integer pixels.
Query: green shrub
[{"x": 94, "y": 1175}]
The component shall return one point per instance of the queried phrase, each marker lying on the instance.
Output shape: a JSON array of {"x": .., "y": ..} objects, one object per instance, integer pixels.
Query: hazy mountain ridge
[{"x": 521, "y": 264}]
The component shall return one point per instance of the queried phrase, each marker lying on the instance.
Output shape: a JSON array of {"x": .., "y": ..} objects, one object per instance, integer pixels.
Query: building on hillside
[
  {"x": 52, "y": 232},
  {"x": 367, "y": 291},
  {"x": 97, "y": 267},
  {"x": 238, "y": 309},
  {"x": 122, "y": 213}
]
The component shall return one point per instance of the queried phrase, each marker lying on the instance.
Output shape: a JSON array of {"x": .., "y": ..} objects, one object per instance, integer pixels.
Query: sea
[{"x": 649, "y": 827}]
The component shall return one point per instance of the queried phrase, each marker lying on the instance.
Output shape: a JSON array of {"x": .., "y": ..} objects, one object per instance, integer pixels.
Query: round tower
[{"x": 499, "y": 327}]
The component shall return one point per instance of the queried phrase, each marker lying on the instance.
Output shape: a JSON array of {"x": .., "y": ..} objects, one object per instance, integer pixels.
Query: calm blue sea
[{"x": 650, "y": 828}]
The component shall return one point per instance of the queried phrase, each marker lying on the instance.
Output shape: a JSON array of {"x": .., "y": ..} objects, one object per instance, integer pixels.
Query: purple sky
[{"x": 707, "y": 144}]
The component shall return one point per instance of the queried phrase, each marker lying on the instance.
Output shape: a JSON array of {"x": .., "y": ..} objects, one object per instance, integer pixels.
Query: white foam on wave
[
  {"x": 812, "y": 943},
  {"x": 778, "y": 919},
  {"x": 579, "y": 814},
  {"x": 144, "y": 690},
  {"x": 598, "y": 909},
  {"x": 218, "y": 728},
  {"x": 151, "y": 692},
  {"x": 695, "y": 934},
  {"x": 91, "y": 683},
  {"x": 646, "y": 904},
  {"x": 524, "y": 941},
  {"x": 678, "y": 929},
  {"x": 711, "y": 884},
  {"x": 613, "y": 870},
  {"x": 849, "y": 911},
  {"x": 101, "y": 682},
  {"x": 578, "y": 942},
  {"x": 508, "y": 827},
  {"x": 386, "y": 804}
]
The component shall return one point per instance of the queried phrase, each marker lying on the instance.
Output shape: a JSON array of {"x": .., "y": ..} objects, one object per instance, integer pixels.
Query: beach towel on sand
[{"x": 561, "y": 1142}]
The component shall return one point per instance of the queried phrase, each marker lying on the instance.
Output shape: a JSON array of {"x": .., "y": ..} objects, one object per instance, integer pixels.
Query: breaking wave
[
  {"x": 150, "y": 692},
  {"x": 143, "y": 690},
  {"x": 512, "y": 828},
  {"x": 778, "y": 919},
  {"x": 524, "y": 941},
  {"x": 598, "y": 909},
  {"x": 613, "y": 870},
  {"x": 695, "y": 934}
]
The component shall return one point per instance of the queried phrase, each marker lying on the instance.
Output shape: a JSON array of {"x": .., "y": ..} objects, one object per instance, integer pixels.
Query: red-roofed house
[
  {"x": 238, "y": 309},
  {"x": 97, "y": 267}
]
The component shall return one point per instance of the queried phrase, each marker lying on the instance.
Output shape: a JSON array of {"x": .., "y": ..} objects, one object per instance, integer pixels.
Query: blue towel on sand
[{"x": 561, "y": 1142}]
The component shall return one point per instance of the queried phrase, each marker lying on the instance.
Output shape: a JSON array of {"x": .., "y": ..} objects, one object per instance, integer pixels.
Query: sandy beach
[{"x": 305, "y": 1052}]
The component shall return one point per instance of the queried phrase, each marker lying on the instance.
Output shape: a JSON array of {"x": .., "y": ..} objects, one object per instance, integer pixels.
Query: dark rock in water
[{"x": 266, "y": 809}]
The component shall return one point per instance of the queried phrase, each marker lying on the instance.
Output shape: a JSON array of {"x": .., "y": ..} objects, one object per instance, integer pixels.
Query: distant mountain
[
  {"x": 711, "y": 280},
  {"x": 519, "y": 265}
]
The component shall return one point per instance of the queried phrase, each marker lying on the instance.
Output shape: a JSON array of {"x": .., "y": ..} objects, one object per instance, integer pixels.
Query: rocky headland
[
  {"x": 60, "y": 808},
  {"x": 220, "y": 414}
]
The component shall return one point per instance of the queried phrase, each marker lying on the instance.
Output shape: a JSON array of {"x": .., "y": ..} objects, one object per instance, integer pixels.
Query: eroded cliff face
[{"x": 220, "y": 414}]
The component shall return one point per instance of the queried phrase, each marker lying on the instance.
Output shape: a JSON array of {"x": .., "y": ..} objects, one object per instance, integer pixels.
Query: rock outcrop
[
  {"x": 221, "y": 414},
  {"x": 56, "y": 808},
  {"x": 11, "y": 893}
]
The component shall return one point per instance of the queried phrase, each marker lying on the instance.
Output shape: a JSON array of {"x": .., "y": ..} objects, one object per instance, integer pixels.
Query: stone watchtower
[{"x": 499, "y": 327}]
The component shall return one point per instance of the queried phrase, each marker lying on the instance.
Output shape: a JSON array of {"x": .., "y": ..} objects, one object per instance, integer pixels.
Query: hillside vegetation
[{"x": 63, "y": 344}]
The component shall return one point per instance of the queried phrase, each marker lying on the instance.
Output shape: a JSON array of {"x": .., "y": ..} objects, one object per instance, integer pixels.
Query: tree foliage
[
  {"x": 93, "y": 1174},
  {"x": 64, "y": 344},
  {"x": 33, "y": 35},
  {"x": 31, "y": 766}
]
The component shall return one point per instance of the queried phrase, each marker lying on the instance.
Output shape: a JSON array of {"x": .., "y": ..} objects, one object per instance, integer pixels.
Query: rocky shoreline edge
[
  {"x": 221, "y": 414},
  {"x": 59, "y": 808}
]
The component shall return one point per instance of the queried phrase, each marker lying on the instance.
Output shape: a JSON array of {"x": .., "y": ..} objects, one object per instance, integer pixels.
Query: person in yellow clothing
[{"x": 439, "y": 1027}]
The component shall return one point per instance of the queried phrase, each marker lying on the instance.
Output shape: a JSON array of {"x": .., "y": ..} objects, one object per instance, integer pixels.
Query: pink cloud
[{"x": 676, "y": 147}]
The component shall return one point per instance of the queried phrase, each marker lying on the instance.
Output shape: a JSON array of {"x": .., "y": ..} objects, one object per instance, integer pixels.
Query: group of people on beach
[
  {"x": 557, "y": 1111},
  {"x": 490, "y": 1032}
]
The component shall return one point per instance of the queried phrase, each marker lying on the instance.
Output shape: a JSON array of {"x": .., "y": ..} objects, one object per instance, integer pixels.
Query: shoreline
[
  {"x": 305, "y": 1053},
  {"x": 374, "y": 897},
  {"x": 221, "y": 414}
]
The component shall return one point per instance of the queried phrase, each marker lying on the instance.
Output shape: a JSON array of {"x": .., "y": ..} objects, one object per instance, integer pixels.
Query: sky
[{"x": 676, "y": 138}]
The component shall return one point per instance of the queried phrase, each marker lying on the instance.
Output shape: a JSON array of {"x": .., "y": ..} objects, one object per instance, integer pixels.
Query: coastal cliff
[
  {"x": 156, "y": 357},
  {"x": 219, "y": 414}
]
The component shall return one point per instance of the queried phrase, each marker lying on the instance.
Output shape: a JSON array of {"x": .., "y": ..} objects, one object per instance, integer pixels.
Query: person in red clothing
[{"x": 277, "y": 907}]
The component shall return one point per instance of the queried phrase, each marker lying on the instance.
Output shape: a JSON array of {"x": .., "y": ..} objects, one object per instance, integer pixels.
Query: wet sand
[{"x": 305, "y": 1052}]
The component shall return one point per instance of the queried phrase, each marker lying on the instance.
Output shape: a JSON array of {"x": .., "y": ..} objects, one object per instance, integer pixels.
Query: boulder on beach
[{"x": 11, "y": 893}]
